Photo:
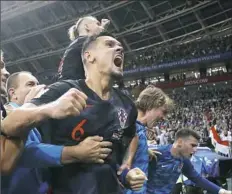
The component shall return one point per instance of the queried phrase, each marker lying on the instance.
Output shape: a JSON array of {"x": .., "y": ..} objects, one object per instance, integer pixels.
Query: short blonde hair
[
  {"x": 73, "y": 31},
  {"x": 153, "y": 97}
]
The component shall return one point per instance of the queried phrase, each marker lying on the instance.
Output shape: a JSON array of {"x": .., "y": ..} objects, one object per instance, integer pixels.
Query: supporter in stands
[
  {"x": 173, "y": 161},
  {"x": 192, "y": 49},
  {"x": 71, "y": 66},
  {"x": 152, "y": 105},
  {"x": 22, "y": 87}
]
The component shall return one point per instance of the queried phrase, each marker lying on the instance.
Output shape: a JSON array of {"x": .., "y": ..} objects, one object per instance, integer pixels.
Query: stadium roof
[{"x": 34, "y": 33}]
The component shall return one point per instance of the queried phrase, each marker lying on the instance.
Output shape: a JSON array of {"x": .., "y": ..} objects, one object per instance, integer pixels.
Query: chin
[{"x": 117, "y": 76}]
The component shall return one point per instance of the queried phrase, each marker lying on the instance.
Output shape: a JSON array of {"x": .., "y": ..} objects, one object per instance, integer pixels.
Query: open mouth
[{"x": 118, "y": 61}]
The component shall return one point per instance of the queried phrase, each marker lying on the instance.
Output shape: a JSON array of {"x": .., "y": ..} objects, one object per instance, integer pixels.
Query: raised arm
[{"x": 21, "y": 120}]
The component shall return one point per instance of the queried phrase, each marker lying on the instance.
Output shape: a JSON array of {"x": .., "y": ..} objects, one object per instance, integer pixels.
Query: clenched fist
[
  {"x": 136, "y": 178},
  {"x": 69, "y": 104},
  {"x": 35, "y": 92},
  {"x": 105, "y": 23}
]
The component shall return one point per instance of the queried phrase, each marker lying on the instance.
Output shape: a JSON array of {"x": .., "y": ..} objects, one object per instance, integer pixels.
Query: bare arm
[
  {"x": 130, "y": 153},
  {"x": 11, "y": 150},
  {"x": 21, "y": 120}
]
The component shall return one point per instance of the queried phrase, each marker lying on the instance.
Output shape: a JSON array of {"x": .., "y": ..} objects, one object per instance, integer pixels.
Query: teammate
[
  {"x": 71, "y": 66},
  {"x": 152, "y": 105},
  {"x": 175, "y": 160}
]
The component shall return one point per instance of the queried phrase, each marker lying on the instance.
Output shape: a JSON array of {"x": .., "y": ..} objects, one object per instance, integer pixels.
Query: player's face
[
  {"x": 109, "y": 57},
  {"x": 188, "y": 147},
  {"x": 26, "y": 83},
  {"x": 154, "y": 115},
  {"x": 4, "y": 75}
]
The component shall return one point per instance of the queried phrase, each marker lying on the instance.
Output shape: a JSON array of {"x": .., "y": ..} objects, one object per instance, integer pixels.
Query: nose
[
  {"x": 5, "y": 73},
  {"x": 120, "y": 49}
]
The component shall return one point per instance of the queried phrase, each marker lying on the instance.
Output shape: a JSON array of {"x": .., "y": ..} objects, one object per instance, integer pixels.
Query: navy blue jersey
[
  {"x": 113, "y": 119},
  {"x": 71, "y": 66}
]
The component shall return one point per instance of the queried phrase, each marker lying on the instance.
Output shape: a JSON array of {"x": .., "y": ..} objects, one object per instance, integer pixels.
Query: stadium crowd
[
  {"x": 197, "y": 108},
  {"x": 169, "y": 53},
  {"x": 82, "y": 135}
]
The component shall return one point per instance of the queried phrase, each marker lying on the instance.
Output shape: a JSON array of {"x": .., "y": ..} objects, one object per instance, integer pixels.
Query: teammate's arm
[
  {"x": 22, "y": 119},
  {"x": 11, "y": 150},
  {"x": 191, "y": 174}
]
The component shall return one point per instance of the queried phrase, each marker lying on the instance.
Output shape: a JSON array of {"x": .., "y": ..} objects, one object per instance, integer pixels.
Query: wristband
[{"x": 122, "y": 177}]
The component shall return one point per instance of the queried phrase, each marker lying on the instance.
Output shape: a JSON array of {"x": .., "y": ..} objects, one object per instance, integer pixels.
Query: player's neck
[
  {"x": 174, "y": 151},
  {"x": 102, "y": 86},
  {"x": 141, "y": 117}
]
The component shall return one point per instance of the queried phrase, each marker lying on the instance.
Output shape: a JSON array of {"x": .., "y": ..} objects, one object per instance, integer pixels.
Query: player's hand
[
  {"x": 35, "y": 92},
  {"x": 136, "y": 178},
  {"x": 69, "y": 104},
  {"x": 105, "y": 23},
  {"x": 153, "y": 154},
  {"x": 94, "y": 149},
  {"x": 223, "y": 191}
]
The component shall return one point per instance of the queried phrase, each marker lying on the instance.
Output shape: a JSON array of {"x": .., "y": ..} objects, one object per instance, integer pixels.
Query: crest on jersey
[{"x": 122, "y": 116}]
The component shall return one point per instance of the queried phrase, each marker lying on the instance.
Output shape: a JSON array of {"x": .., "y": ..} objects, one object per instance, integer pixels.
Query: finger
[
  {"x": 74, "y": 94},
  {"x": 77, "y": 105},
  {"x": 95, "y": 138},
  {"x": 137, "y": 182},
  {"x": 99, "y": 161},
  {"x": 139, "y": 177},
  {"x": 74, "y": 111},
  {"x": 105, "y": 151},
  {"x": 78, "y": 98},
  {"x": 156, "y": 152},
  {"x": 41, "y": 92},
  {"x": 81, "y": 100},
  {"x": 103, "y": 156},
  {"x": 105, "y": 144},
  {"x": 39, "y": 88},
  {"x": 79, "y": 93},
  {"x": 137, "y": 187}
]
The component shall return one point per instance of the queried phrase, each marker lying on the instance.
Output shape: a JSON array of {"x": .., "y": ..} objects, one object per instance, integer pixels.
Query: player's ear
[{"x": 180, "y": 142}]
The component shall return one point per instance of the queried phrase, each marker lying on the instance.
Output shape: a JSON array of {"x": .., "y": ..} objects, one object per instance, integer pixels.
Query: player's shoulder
[
  {"x": 164, "y": 149},
  {"x": 125, "y": 98},
  {"x": 64, "y": 85},
  {"x": 139, "y": 127}
]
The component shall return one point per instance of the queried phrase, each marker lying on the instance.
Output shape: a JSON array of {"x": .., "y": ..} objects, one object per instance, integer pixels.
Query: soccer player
[
  {"x": 108, "y": 113},
  {"x": 71, "y": 66},
  {"x": 175, "y": 160},
  {"x": 152, "y": 105},
  {"x": 37, "y": 156}
]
